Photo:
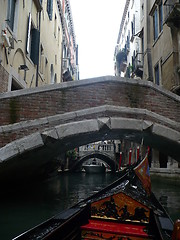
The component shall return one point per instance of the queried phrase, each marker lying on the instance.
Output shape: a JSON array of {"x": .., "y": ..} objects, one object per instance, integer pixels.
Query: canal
[{"x": 25, "y": 209}]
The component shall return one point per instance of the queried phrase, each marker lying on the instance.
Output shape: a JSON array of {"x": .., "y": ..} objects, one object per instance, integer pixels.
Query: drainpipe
[
  {"x": 149, "y": 58},
  {"x": 37, "y": 68},
  {"x": 62, "y": 49},
  {"x": 177, "y": 82}
]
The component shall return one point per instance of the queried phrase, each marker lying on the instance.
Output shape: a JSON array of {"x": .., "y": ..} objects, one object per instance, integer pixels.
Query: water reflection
[
  {"x": 164, "y": 200},
  {"x": 167, "y": 190}
]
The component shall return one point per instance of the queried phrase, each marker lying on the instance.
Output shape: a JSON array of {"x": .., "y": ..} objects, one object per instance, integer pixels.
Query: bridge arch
[
  {"x": 96, "y": 154},
  {"x": 29, "y": 156}
]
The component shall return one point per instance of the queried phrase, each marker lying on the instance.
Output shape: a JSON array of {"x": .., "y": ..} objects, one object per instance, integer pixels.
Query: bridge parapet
[
  {"x": 97, "y": 147},
  {"x": 30, "y": 104}
]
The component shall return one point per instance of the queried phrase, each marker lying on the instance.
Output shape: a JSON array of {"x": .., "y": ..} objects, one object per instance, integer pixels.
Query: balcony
[
  {"x": 65, "y": 64},
  {"x": 67, "y": 76},
  {"x": 138, "y": 64},
  {"x": 121, "y": 60},
  {"x": 172, "y": 13}
]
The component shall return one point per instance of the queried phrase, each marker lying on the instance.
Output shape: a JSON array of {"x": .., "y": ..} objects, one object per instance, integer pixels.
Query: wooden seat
[{"x": 97, "y": 229}]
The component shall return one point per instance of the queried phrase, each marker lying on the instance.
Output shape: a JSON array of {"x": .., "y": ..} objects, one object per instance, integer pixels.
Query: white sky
[{"x": 96, "y": 24}]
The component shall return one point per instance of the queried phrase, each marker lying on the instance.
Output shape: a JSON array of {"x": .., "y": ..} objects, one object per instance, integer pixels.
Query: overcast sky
[{"x": 96, "y": 24}]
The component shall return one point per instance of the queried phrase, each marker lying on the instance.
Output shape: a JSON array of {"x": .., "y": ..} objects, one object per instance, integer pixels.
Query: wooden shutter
[{"x": 35, "y": 46}]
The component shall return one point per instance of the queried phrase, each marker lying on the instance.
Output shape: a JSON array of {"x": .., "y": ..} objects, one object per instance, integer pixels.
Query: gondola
[
  {"x": 124, "y": 210},
  {"x": 94, "y": 167}
]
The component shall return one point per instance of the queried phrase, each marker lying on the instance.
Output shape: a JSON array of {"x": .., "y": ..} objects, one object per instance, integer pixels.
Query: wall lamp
[{"x": 23, "y": 67}]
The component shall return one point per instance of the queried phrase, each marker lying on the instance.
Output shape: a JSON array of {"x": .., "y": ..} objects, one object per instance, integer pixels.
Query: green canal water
[{"x": 26, "y": 208}]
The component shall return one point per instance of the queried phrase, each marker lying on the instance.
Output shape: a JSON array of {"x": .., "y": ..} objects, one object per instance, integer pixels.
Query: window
[
  {"x": 128, "y": 41},
  {"x": 11, "y": 13},
  {"x": 55, "y": 78},
  {"x": 160, "y": 16},
  {"x": 156, "y": 73},
  {"x": 50, "y": 8},
  {"x": 32, "y": 43},
  {"x": 142, "y": 42},
  {"x": 142, "y": 11},
  {"x": 55, "y": 59},
  {"x": 158, "y": 20},
  {"x": 133, "y": 26},
  {"x": 42, "y": 60},
  {"x": 132, "y": 3},
  {"x": 134, "y": 20},
  {"x": 155, "y": 24},
  {"x": 55, "y": 26},
  {"x": 52, "y": 74},
  {"x": 46, "y": 75},
  {"x": 58, "y": 36},
  {"x": 132, "y": 29}
]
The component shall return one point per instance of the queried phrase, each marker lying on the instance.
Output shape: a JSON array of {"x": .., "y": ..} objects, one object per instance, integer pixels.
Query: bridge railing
[{"x": 108, "y": 148}]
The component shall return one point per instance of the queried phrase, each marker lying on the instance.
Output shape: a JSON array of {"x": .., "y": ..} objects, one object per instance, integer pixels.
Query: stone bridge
[
  {"x": 103, "y": 151},
  {"x": 97, "y": 154},
  {"x": 38, "y": 124}
]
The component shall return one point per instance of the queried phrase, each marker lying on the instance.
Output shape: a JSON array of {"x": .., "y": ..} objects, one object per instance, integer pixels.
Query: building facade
[
  {"x": 70, "y": 48},
  {"x": 33, "y": 35},
  {"x": 165, "y": 45},
  {"x": 148, "y": 47},
  {"x": 128, "y": 52},
  {"x": 148, "y": 43},
  {"x": 49, "y": 62},
  {"x": 160, "y": 29}
]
